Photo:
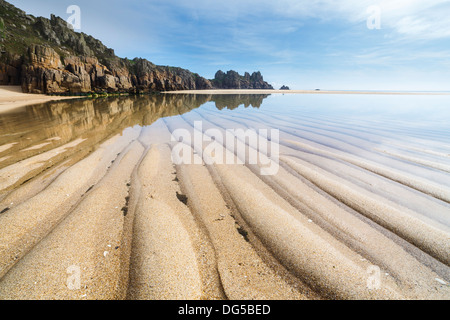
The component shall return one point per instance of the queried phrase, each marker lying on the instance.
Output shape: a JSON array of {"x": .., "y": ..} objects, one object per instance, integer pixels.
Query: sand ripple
[{"x": 349, "y": 196}]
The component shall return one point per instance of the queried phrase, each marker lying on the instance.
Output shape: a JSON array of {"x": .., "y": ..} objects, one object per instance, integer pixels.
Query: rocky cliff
[
  {"x": 233, "y": 80},
  {"x": 47, "y": 56}
]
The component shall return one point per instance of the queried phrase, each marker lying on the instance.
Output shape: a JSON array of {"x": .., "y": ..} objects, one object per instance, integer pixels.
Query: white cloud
[{"x": 411, "y": 18}]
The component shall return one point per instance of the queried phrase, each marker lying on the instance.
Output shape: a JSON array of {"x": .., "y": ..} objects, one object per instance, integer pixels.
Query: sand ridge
[
  {"x": 139, "y": 227},
  {"x": 375, "y": 245}
]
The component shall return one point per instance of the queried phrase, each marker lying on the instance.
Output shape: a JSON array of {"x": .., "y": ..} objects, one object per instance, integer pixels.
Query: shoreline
[
  {"x": 258, "y": 91},
  {"x": 351, "y": 196},
  {"x": 12, "y": 98}
]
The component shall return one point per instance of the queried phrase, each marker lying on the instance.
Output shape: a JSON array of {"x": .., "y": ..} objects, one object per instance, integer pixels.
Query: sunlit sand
[{"x": 92, "y": 185}]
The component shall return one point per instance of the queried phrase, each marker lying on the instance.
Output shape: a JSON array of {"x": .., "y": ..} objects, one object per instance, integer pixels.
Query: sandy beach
[
  {"x": 12, "y": 97},
  {"x": 122, "y": 221},
  {"x": 243, "y": 154}
]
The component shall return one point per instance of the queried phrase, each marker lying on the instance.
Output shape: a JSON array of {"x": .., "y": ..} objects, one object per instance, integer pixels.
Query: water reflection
[{"x": 43, "y": 127}]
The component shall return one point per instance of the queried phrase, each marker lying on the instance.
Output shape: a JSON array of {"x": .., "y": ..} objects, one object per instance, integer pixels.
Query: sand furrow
[
  {"x": 87, "y": 244},
  {"x": 415, "y": 159},
  {"x": 374, "y": 134},
  {"x": 376, "y": 129},
  {"x": 420, "y": 205},
  {"x": 430, "y": 239},
  {"x": 167, "y": 244},
  {"x": 423, "y": 204},
  {"x": 416, "y": 279},
  {"x": 330, "y": 269},
  {"x": 411, "y": 180},
  {"x": 12, "y": 175},
  {"x": 369, "y": 141},
  {"x": 380, "y": 163},
  {"x": 304, "y": 269},
  {"x": 350, "y": 229},
  {"x": 34, "y": 186},
  {"x": 359, "y": 150},
  {"x": 244, "y": 274},
  {"x": 357, "y": 210},
  {"x": 23, "y": 226}
]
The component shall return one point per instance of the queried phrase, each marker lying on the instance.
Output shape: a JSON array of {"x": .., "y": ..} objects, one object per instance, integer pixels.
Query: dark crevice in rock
[{"x": 48, "y": 56}]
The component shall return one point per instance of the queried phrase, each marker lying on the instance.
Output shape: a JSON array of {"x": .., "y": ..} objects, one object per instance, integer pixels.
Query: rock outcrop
[
  {"x": 233, "y": 80},
  {"x": 10, "y": 69},
  {"x": 285, "y": 88},
  {"x": 48, "y": 56},
  {"x": 45, "y": 72}
]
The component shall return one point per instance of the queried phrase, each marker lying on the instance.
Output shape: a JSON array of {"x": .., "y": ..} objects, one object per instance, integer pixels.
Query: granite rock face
[
  {"x": 45, "y": 72},
  {"x": 10, "y": 69},
  {"x": 233, "y": 80},
  {"x": 48, "y": 56}
]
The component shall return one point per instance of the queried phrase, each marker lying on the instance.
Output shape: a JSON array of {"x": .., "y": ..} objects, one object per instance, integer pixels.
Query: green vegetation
[
  {"x": 92, "y": 95},
  {"x": 131, "y": 62},
  {"x": 2, "y": 29},
  {"x": 20, "y": 31},
  {"x": 2, "y": 33}
]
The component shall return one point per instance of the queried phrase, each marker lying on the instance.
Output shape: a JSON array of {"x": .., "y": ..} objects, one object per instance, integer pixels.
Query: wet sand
[{"x": 136, "y": 226}]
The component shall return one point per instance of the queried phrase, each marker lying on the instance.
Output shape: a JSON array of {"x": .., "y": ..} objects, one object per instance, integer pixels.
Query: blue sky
[{"x": 305, "y": 44}]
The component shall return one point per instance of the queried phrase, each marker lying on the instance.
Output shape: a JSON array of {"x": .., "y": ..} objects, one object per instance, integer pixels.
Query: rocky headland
[
  {"x": 233, "y": 80},
  {"x": 47, "y": 56}
]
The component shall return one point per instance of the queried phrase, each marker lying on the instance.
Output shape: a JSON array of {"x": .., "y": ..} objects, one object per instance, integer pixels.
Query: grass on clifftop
[{"x": 19, "y": 32}]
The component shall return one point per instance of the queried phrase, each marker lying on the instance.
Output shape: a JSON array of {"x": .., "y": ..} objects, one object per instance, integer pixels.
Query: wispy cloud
[
  {"x": 285, "y": 39},
  {"x": 420, "y": 18}
]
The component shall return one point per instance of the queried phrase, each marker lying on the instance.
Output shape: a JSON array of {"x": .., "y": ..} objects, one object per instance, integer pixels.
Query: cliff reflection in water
[{"x": 84, "y": 124}]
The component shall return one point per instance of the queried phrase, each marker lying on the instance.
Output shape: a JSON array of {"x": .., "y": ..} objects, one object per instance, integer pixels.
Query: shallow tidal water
[
  {"x": 347, "y": 162},
  {"x": 411, "y": 130}
]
